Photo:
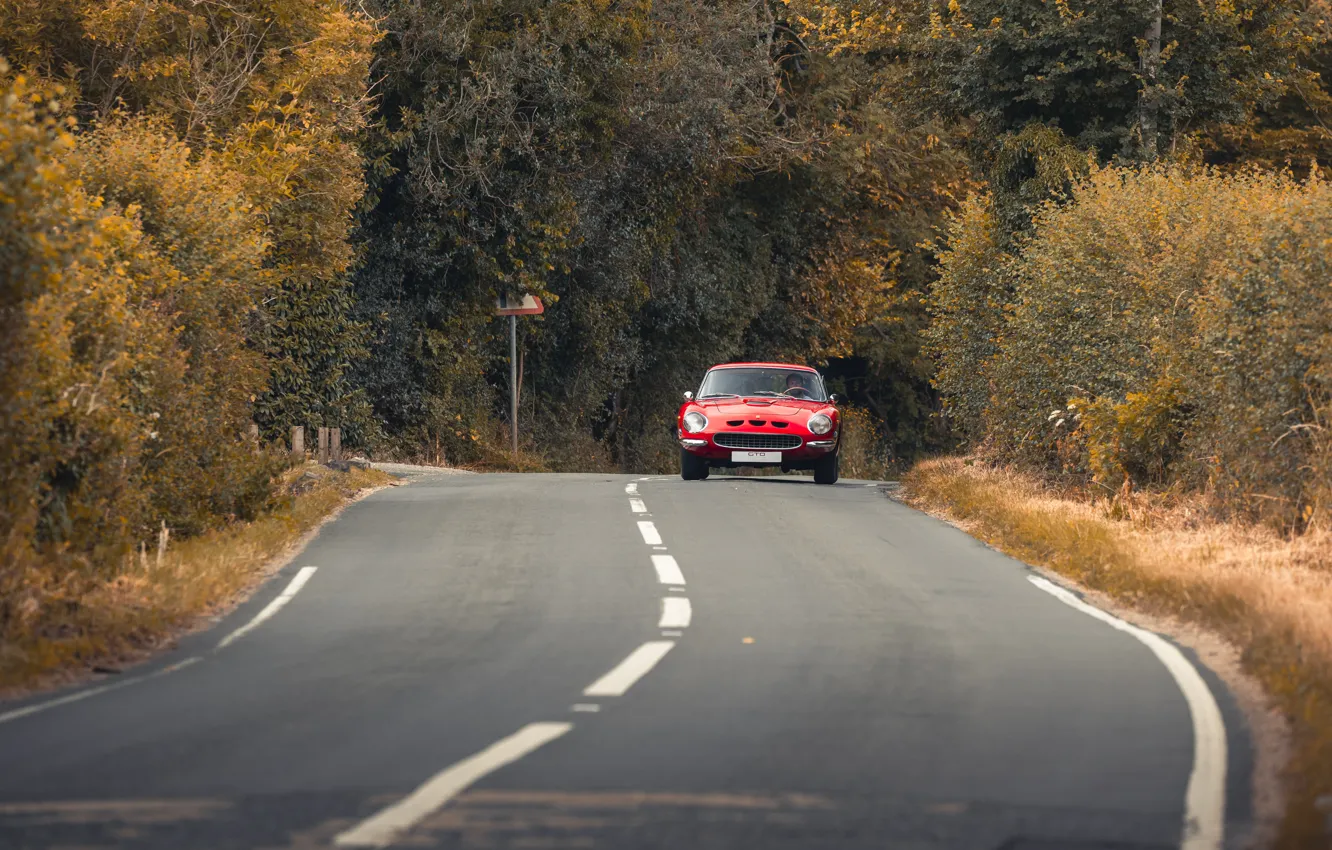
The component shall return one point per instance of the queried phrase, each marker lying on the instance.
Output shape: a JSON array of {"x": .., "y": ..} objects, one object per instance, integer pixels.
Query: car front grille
[{"x": 757, "y": 441}]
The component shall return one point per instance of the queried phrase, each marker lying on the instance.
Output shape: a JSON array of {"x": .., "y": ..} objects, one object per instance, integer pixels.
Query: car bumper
[{"x": 811, "y": 449}]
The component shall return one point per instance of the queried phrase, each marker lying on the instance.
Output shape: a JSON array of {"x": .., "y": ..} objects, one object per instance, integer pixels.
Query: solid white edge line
[
  {"x": 92, "y": 692},
  {"x": 668, "y": 571},
  {"x": 65, "y": 700},
  {"x": 381, "y": 829},
  {"x": 630, "y": 670},
  {"x": 637, "y": 506},
  {"x": 676, "y": 613},
  {"x": 649, "y": 532},
  {"x": 179, "y": 665},
  {"x": 273, "y": 607},
  {"x": 1205, "y": 797}
]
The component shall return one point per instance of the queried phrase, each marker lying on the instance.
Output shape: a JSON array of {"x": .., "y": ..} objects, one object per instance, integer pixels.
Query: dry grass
[
  {"x": 67, "y": 628},
  {"x": 865, "y": 453},
  {"x": 1269, "y": 594}
]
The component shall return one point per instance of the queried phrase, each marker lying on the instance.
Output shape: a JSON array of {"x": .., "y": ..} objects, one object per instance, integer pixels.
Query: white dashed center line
[
  {"x": 637, "y": 506},
  {"x": 383, "y": 828},
  {"x": 668, "y": 571},
  {"x": 630, "y": 670},
  {"x": 675, "y": 613},
  {"x": 649, "y": 532}
]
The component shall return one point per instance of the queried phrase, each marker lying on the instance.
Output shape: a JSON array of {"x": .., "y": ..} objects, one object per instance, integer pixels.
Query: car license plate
[{"x": 756, "y": 457}]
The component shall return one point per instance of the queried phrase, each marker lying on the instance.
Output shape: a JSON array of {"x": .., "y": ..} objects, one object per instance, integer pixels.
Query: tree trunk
[{"x": 1150, "y": 63}]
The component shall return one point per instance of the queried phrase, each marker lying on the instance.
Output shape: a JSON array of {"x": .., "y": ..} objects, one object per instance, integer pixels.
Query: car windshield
[{"x": 762, "y": 381}]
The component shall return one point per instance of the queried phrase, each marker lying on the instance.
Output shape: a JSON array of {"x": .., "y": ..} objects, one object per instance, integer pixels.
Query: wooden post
[
  {"x": 162, "y": 537},
  {"x": 323, "y": 445},
  {"x": 335, "y": 444},
  {"x": 298, "y": 442}
]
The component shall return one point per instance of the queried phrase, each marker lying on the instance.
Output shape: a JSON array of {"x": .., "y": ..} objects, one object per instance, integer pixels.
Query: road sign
[{"x": 528, "y": 305}]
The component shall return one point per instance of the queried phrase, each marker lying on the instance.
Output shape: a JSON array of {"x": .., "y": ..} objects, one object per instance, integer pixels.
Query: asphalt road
[{"x": 488, "y": 662}]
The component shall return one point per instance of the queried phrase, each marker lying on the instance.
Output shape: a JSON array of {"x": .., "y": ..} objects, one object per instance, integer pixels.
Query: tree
[
  {"x": 129, "y": 274},
  {"x": 279, "y": 87},
  {"x": 1098, "y": 72},
  {"x": 686, "y": 183},
  {"x": 1294, "y": 130}
]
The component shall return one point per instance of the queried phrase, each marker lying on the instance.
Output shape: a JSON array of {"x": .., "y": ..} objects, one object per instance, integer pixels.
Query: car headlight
[
  {"x": 820, "y": 423},
  {"x": 695, "y": 422}
]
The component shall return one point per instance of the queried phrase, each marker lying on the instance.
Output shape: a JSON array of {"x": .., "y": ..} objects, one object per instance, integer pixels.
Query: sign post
[
  {"x": 508, "y": 305},
  {"x": 513, "y": 379}
]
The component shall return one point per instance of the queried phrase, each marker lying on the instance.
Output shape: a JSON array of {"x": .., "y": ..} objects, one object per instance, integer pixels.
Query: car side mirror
[
  {"x": 688, "y": 396},
  {"x": 832, "y": 399}
]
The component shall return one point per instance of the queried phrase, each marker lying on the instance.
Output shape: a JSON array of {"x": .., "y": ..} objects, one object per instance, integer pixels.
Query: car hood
[{"x": 761, "y": 408}]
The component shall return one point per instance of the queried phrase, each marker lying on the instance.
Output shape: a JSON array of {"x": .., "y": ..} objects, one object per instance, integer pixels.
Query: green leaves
[{"x": 682, "y": 191}]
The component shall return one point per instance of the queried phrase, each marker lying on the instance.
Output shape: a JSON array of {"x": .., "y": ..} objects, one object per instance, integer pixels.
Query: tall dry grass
[
  {"x": 1268, "y": 593},
  {"x": 865, "y": 454},
  {"x": 68, "y": 622}
]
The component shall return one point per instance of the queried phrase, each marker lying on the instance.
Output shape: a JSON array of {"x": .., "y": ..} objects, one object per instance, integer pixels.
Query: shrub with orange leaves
[
  {"x": 1176, "y": 322},
  {"x": 126, "y": 380},
  {"x": 278, "y": 89}
]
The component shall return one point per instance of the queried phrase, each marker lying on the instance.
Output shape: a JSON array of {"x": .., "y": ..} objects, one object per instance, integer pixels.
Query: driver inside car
[{"x": 795, "y": 386}]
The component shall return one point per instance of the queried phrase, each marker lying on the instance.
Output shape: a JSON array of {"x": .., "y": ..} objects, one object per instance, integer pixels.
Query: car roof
[{"x": 764, "y": 365}]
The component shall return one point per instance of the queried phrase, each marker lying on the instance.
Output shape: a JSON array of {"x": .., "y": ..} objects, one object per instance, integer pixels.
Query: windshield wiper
[{"x": 718, "y": 395}]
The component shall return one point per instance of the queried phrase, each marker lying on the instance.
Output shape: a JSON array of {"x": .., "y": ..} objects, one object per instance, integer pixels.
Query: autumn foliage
[
  {"x": 1032, "y": 228},
  {"x": 128, "y": 382},
  {"x": 177, "y": 183},
  {"x": 1163, "y": 326}
]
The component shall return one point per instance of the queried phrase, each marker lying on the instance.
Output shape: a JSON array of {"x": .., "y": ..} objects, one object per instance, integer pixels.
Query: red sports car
[{"x": 759, "y": 414}]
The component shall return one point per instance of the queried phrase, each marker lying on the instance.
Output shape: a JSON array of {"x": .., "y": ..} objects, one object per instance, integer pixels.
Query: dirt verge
[{"x": 72, "y": 633}]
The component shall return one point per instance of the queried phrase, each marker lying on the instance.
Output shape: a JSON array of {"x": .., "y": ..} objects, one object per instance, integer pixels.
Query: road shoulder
[
  {"x": 1002, "y": 517},
  {"x": 138, "y": 619}
]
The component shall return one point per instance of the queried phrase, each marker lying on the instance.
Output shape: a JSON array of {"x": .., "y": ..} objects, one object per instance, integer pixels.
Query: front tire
[
  {"x": 692, "y": 467},
  {"x": 827, "y": 469}
]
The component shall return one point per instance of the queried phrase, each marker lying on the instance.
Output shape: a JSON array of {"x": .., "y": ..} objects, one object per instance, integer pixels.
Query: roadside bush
[
  {"x": 864, "y": 452},
  {"x": 1166, "y": 326},
  {"x": 127, "y": 378},
  {"x": 200, "y": 267},
  {"x": 1134, "y": 440},
  {"x": 1105, "y": 289},
  {"x": 68, "y": 351},
  {"x": 967, "y": 306},
  {"x": 1262, "y": 364}
]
